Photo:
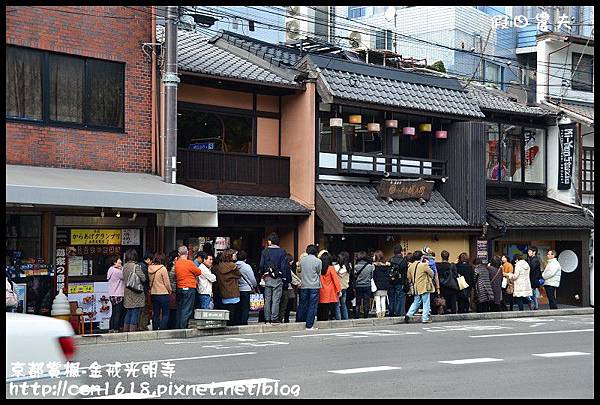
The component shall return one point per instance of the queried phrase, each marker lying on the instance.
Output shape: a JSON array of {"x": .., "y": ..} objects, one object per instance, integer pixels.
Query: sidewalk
[{"x": 300, "y": 326}]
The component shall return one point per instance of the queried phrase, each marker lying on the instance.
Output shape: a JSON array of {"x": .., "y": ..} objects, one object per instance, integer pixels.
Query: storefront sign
[
  {"x": 566, "y": 140},
  {"x": 405, "y": 189},
  {"x": 541, "y": 19},
  {"x": 482, "y": 250},
  {"x": 95, "y": 236},
  {"x": 95, "y": 250},
  {"x": 202, "y": 146},
  {"x": 130, "y": 237},
  {"x": 61, "y": 274}
]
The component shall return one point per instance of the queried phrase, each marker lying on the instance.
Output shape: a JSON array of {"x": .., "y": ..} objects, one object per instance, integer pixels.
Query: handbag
[
  {"x": 439, "y": 301},
  {"x": 257, "y": 301},
  {"x": 11, "y": 296},
  {"x": 504, "y": 283},
  {"x": 462, "y": 283},
  {"x": 373, "y": 286},
  {"x": 296, "y": 282},
  {"x": 133, "y": 282}
]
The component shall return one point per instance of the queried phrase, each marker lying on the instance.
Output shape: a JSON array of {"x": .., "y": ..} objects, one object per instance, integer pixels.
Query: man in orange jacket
[{"x": 185, "y": 273}]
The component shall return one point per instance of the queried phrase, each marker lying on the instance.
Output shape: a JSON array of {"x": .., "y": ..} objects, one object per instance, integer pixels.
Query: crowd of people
[{"x": 320, "y": 285}]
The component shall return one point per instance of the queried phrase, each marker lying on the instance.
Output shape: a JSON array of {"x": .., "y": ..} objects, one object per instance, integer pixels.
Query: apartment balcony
[
  {"x": 378, "y": 165},
  {"x": 234, "y": 173}
]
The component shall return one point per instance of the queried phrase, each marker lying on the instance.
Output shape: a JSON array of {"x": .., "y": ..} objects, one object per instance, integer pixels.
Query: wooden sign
[{"x": 405, "y": 189}]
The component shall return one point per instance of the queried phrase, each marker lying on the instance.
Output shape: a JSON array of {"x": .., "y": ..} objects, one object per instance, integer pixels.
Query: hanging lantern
[
  {"x": 373, "y": 127},
  {"x": 441, "y": 134},
  {"x": 355, "y": 119},
  {"x": 425, "y": 127},
  {"x": 336, "y": 122},
  {"x": 409, "y": 131},
  {"x": 391, "y": 123}
]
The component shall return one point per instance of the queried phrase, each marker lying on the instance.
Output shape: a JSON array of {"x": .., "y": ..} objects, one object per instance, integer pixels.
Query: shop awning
[
  {"x": 535, "y": 213},
  {"x": 356, "y": 208},
  {"x": 175, "y": 204}
]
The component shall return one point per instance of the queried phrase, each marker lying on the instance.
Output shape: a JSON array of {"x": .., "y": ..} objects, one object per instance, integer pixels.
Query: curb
[{"x": 300, "y": 326}]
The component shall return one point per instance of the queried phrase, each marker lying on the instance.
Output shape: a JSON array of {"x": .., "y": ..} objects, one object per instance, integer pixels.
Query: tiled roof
[
  {"x": 535, "y": 213},
  {"x": 276, "y": 54},
  {"x": 360, "y": 205},
  {"x": 497, "y": 100},
  {"x": 394, "y": 87},
  {"x": 586, "y": 110},
  {"x": 196, "y": 54},
  {"x": 255, "y": 204}
]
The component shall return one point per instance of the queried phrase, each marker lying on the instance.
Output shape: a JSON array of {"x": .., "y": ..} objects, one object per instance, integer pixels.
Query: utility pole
[{"x": 170, "y": 81}]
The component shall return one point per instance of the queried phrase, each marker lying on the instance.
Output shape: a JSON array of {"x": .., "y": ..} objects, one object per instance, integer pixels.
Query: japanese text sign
[{"x": 95, "y": 236}]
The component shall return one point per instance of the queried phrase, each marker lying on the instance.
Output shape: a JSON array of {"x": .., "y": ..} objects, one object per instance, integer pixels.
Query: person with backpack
[
  {"x": 363, "y": 276},
  {"x": 420, "y": 279},
  {"x": 310, "y": 287},
  {"x": 275, "y": 272},
  {"x": 134, "y": 296},
  {"x": 398, "y": 282},
  {"x": 448, "y": 276},
  {"x": 160, "y": 289}
]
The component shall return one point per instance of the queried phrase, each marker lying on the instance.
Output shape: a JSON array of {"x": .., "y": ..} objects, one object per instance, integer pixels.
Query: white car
[{"x": 36, "y": 339}]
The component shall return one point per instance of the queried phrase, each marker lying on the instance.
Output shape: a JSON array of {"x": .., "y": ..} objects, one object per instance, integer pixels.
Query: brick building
[{"x": 82, "y": 147}]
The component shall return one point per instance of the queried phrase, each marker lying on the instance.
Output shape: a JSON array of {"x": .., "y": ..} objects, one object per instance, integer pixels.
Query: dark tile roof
[
  {"x": 277, "y": 54},
  {"x": 500, "y": 101},
  {"x": 256, "y": 204},
  {"x": 360, "y": 205},
  {"x": 371, "y": 84},
  {"x": 535, "y": 213},
  {"x": 586, "y": 110},
  {"x": 196, "y": 54}
]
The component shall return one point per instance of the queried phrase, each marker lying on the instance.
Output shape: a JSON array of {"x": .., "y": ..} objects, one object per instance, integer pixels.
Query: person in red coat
[{"x": 330, "y": 291}]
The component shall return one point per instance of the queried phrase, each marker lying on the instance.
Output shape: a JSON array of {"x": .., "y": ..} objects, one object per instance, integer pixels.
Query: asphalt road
[{"x": 544, "y": 357}]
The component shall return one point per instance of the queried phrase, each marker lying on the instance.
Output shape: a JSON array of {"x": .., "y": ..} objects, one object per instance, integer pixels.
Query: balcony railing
[
  {"x": 361, "y": 164},
  {"x": 234, "y": 173}
]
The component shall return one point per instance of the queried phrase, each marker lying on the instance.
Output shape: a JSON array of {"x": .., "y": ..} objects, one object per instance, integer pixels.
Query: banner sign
[
  {"x": 405, "y": 189},
  {"x": 482, "y": 250},
  {"x": 566, "y": 147},
  {"x": 95, "y": 236},
  {"x": 61, "y": 272}
]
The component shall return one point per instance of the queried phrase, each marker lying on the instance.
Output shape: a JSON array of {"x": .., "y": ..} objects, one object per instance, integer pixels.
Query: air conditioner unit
[
  {"x": 355, "y": 39},
  {"x": 299, "y": 22}
]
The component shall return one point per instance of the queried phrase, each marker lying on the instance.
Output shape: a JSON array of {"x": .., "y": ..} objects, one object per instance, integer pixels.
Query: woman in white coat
[{"x": 522, "y": 285}]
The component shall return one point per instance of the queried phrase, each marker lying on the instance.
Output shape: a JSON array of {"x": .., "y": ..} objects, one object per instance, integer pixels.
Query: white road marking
[
  {"x": 362, "y": 334},
  {"x": 363, "y": 370},
  {"x": 434, "y": 329},
  {"x": 241, "y": 340},
  {"x": 534, "y": 333},
  {"x": 535, "y": 325},
  {"x": 471, "y": 361},
  {"x": 179, "y": 359},
  {"x": 193, "y": 342},
  {"x": 263, "y": 344},
  {"x": 561, "y": 354},
  {"x": 531, "y": 319}
]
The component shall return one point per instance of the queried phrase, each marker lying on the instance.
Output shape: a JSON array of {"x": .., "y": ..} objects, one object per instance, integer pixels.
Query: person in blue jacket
[{"x": 275, "y": 271}]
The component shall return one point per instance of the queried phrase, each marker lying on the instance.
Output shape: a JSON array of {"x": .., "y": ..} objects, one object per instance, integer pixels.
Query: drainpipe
[
  {"x": 548, "y": 71},
  {"x": 170, "y": 81}
]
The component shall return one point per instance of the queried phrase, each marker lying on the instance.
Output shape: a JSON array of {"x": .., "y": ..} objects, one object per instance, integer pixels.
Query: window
[
  {"x": 491, "y": 153},
  {"x": 77, "y": 91},
  {"x": 583, "y": 72},
  {"x": 534, "y": 155},
  {"x": 23, "y": 83},
  {"x": 357, "y": 12},
  {"x": 327, "y": 142},
  {"x": 511, "y": 153},
  {"x": 587, "y": 171},
  {"x": 383, "y": 40},
  {"x": 214, "y": 131}
]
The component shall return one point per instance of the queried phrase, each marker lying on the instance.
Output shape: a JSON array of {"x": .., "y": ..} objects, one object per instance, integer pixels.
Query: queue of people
[{"x": 320, "y": 286}]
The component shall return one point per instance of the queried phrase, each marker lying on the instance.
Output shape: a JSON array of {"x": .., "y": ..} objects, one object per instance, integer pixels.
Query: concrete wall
[
  {"x": 298, "y": 142},
  {"x": 91, "y": 33}
]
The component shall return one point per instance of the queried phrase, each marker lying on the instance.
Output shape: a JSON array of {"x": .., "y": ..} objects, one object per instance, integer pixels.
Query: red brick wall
[{"x": 98, "y": 36}]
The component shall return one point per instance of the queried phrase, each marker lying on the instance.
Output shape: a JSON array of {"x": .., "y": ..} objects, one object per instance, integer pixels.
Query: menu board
[{"x": 92, "y": 297}]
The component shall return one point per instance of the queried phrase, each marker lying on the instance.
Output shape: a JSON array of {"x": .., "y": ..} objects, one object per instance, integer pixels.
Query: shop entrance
[{"x": 571, "y": 275}]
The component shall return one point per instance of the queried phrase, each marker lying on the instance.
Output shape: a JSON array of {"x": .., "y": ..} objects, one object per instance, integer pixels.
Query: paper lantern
[
  {"x": 408, "y": 131},
  {"x": 355, "y": 119},
  {"x": 425, "y": 127},
  {"x": 441, "y": 134},
  {"x": 373, "y": 127},
  {"x": 391, "y": 123},
  {"x": 336, "y": 122}
]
